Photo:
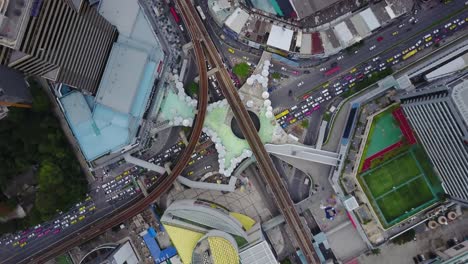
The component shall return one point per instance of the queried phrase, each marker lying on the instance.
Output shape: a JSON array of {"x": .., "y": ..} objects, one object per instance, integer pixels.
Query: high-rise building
[
  {"x": 65, "y": 41},
  {"x": 439, "y": 116}
]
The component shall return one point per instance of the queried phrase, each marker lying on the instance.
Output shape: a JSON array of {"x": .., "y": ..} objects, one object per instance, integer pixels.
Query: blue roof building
[{"x": 110, "y": 121}]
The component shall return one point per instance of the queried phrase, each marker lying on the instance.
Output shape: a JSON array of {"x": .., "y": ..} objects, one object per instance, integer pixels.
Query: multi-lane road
[{"x": 389, "y": 45}]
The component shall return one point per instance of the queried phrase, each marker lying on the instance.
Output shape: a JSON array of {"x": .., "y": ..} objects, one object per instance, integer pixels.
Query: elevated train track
[{"x": 264, "y": 162}]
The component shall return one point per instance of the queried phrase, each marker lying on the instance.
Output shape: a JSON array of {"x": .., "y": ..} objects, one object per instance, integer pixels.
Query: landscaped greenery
[
  {"x": 32, "y": 139},
  {"x": 192, "y": 89},
  {"x": 405, "y": 237},
  {"x": 374, "y": 77},
  {"x": 242, "y": 70},
  {"x": 240, "y": 241},
  {"x": 276, "y": 75},
  {"x": 305, "y": 123}
]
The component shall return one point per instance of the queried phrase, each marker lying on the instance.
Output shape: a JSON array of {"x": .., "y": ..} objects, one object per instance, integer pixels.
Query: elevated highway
[{"x": 264, "y": 162}]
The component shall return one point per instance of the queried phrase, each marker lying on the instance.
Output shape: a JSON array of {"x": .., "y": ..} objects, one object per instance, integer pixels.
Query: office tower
[
  {"x": 439, "y": 116},
  {"x": 65, "y": 41}
]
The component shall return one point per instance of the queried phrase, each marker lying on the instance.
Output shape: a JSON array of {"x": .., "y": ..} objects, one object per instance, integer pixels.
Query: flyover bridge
[{"x": 292, "y": 151}]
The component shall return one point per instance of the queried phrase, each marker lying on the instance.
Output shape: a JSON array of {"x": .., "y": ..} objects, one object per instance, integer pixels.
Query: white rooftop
[
  {"x": 460, "y": 97},
  {"x": 351, "y": 203},
  {"x": 370, "y": 19},
  {"x": 125, "y": 254},
  {"x": 306, "y": 44},
  {"x": 120, "y": 13},
  {"x": 343, "y": 33},
  {"x": 237, "y": 20},
  {"x": 280, "y": 37},
  {"x": 258, "y": 254},
  {"x": 121, "y": 77}
]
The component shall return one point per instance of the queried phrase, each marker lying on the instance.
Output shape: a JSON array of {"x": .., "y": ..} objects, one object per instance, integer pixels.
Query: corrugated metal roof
[{"x": 280, "y": 37}]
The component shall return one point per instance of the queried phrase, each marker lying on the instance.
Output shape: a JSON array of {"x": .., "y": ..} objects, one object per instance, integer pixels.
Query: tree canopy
[
  {"x": 242, "y": 70},
  {"x": 32, "y": 138}
]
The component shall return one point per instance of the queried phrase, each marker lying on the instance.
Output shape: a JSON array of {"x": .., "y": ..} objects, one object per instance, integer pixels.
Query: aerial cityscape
[{"x": 234, "y": 131}]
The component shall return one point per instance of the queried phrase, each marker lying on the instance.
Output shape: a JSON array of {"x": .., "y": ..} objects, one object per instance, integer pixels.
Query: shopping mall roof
[
  {"x": 237, "y": 20},
  {"x": 184, "y": 240},
  {"x": 122, "y": 77},
  {"x": 120, "y": 13},
  {"x": 258, "y": 254},
  {"x": 112, "y": 120},
  {"x": 223, "y": 251},
  {"x": 97, "y": 133},
  {"x": 280, "y": 37}
]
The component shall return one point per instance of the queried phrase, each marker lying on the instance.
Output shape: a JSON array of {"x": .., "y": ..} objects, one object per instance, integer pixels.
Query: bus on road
[
  {"x": 409, "y": 54},
  {"x": 332, "y": 71},
  {"x": 175, "y": 15},
  {"x": 200, "y": 12},
  {"x": 285, "y": 112}
]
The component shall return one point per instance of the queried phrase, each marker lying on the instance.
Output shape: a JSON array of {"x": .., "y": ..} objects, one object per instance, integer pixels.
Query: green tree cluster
[
  {"x": 276, "y": 75},
  {"x": 405, "y": 237},
  {"x": 192, "y": 89},
  {"x": 376, "y": 76},
  {"x": 242, "y": 70},
  {"x": 32, "y": 138}
]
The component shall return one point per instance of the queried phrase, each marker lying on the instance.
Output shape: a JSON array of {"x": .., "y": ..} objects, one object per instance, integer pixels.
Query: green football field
[
  {"x": 396, "y": 172},
  {"x": 405, "y": 199},
  {"x": 397, "y": 188}
]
